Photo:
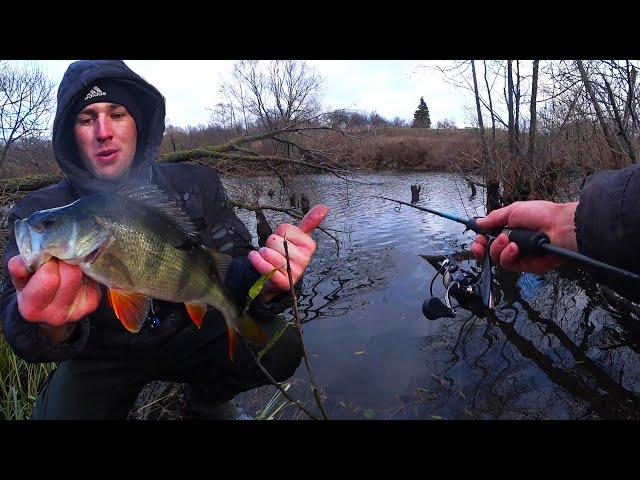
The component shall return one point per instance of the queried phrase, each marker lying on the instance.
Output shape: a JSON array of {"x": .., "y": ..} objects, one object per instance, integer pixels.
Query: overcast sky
[{"x": 390, "y": 87}]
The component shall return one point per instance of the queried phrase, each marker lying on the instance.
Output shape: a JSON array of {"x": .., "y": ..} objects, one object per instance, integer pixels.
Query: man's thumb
[
  {"x": 313, "y": 218},
  {"x": 496, "y": 219}
]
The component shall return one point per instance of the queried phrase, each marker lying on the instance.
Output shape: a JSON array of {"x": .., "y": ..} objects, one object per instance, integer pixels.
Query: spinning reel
[{"x": 470, "y": 288}]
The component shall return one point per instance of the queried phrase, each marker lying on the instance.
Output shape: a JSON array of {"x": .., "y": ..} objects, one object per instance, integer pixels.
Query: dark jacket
[
  {"x": 608, "y": 225},
  {"x": 196, "y": 189}
]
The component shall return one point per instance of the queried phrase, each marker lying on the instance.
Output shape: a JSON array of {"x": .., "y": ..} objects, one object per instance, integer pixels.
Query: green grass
[{"x": 19, "y": 382}]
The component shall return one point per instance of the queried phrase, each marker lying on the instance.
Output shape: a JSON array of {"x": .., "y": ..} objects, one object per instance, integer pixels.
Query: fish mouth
[
  {"x": 23, "y": 239},
  {"x": 32, "y": 261},
  {"x": 35, "y": 261}
]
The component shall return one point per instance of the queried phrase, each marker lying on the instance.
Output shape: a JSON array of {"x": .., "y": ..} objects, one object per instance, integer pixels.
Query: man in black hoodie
[{"x": 107, "y": 131}]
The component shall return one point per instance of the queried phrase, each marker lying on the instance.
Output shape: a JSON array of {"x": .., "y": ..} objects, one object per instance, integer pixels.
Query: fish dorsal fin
[
  {"x": 155, "y": 199},
  {"x": 131, "y": 308},
  {"x": 221, "y": 262}
]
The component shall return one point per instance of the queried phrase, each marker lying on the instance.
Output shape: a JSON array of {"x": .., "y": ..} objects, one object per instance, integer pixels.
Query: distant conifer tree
[{"x": 421, "y": 117}]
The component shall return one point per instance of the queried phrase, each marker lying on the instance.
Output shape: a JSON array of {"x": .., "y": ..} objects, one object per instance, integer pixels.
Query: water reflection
[{"x": 556, "y": 347}]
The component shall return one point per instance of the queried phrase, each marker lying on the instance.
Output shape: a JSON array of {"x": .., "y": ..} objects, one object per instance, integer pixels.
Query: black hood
[{"x": 78, "y": 77}]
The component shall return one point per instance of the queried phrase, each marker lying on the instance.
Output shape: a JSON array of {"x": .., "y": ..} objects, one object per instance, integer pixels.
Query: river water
[{"x": 555, "y": 349}]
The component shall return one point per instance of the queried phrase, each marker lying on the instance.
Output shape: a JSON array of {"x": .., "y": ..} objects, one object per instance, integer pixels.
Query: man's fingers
[
  {"x": 86, "y": 301},
  {"x": 276, "y": 259},
  {"x": 65, "y": 298},
  {"x": 296, "y": 236},
  {"x": 497, "y": 246},
  {"x": 296, "y": 255},
  {"x": 478, "y": 247},
  {"x": 509, "y": 257},
  {"x": 262, "y": 266},
  {"x": 498, "y": 218},
  {"x": 18, "y": 272},
  {"x": 313, "y": 218},
  {"x": 40, "y": 291}
]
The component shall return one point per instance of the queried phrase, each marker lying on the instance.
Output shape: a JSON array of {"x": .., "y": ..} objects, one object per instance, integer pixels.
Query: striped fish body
[{"x": 142, "y": 247}]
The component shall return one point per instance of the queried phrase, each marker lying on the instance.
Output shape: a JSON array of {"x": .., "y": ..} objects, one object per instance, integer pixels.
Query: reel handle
[{"x": 433, "y": 308}]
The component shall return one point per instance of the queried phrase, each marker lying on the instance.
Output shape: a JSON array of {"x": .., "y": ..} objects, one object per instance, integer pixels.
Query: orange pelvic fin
[
  {"x": 196, "y": 312},
  {"x": 131, "y": 308},
  {"x": 233, "y": 340}
]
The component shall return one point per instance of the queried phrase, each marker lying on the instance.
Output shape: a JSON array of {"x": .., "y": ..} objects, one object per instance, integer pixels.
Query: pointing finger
[{"x": 313, "y": 218}]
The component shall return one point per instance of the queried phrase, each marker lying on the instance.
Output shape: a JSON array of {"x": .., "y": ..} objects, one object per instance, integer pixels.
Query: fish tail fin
[
  {"x": 237, "y": 322},
  {"x": 246, "y": 327}
]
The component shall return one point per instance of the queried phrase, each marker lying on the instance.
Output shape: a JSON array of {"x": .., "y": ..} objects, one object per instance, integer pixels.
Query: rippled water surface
[{"x": 554, "y": 349}]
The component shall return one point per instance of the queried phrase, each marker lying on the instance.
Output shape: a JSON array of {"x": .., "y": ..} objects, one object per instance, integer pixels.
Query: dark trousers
[{"x": 100, "y": 389}]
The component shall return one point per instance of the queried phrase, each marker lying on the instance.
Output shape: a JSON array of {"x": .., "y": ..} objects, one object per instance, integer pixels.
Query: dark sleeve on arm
[
  {"x": 227, "y": 234},
  {"x": 608, "y": 225},
  {"x": 25, "y": 338}
]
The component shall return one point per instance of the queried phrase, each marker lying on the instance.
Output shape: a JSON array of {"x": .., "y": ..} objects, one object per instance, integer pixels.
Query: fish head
[{"x": 66, "y": 233}]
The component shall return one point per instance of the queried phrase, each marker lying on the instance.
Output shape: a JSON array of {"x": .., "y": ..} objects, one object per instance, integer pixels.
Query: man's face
[{"x": 106, "y": 137}]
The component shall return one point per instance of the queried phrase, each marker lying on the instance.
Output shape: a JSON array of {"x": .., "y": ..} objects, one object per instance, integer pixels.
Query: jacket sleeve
[
  {"x": 226, "y": 233},
  {"x": 25, "y": 338},
  {"x": 607, "y": 224}
]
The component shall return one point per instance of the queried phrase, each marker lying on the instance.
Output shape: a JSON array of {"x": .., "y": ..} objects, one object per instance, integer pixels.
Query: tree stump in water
[
  {"x": 415, "y": 193},
  {"x": 304, "y": 204},
  {"x": 472, "y": 186},
  {"x": 263, "y": 228}
]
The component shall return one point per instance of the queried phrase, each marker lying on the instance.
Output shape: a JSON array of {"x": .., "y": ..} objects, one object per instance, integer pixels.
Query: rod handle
[
  {"x": 472, "y": 224},
  {"x": 529, "y": 241}
]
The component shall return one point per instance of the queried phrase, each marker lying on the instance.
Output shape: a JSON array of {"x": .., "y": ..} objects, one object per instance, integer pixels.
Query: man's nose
[{"x": 104, "y": 129}]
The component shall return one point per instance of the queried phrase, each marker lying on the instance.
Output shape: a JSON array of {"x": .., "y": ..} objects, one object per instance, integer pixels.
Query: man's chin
[{"x": 110, "y": 174}]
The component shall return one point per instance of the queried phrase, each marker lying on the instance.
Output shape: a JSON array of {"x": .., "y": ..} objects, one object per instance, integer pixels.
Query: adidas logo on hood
[{"x": 95, "y": 92}]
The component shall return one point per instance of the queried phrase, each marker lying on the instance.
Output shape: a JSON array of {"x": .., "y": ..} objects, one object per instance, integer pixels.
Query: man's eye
[
  {"x": 84, "y": 121},
  {"x": 118, "y": 114}
]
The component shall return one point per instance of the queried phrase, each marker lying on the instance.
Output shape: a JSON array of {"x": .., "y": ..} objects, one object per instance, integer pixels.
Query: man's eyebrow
[
  {"x": 87, "y": 109},
  {"x": 91, "y": 109},
  {"x": 113, "y": 106}
]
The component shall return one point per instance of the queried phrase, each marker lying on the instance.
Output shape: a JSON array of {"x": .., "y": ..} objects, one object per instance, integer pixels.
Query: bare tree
[
  {"x": 493, "y": 185},
  {"x": 275, "y": 94},
  {"x": 399, "y": 122},
  {"x": 446, "y": 124},
  {"x": 26, "y": 101}
]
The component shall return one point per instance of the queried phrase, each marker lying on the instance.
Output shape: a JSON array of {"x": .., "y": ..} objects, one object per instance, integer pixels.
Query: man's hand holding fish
[{"x": 56, "y": 296}]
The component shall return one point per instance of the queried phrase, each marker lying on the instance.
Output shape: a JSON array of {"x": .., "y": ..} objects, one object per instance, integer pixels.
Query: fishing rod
[{"x": 529, "y": 242}]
